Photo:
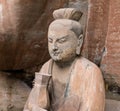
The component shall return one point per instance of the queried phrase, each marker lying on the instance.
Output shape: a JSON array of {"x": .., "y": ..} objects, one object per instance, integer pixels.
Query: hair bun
[{"x": 67, "y": 13}]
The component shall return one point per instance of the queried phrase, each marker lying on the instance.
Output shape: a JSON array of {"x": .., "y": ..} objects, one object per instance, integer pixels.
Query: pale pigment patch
[
  {"x": 1, "y": 15},
  {"x": 101, "y": 88}
]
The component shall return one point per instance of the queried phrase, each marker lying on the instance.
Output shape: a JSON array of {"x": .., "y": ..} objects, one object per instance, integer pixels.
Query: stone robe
[{"x": 84, "y": 91}]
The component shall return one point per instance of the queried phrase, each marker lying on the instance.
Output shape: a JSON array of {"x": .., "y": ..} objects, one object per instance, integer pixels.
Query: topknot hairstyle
[{"x": 67, "y": 18}]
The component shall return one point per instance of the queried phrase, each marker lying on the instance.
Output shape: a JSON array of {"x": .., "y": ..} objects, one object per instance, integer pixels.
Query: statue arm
[
  {"x": 38, "y": 99},
  {"x": 93, "y": 98}
]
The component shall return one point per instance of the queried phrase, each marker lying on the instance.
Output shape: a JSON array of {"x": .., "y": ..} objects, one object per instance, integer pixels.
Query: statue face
[{"x": 62, "y": 44}]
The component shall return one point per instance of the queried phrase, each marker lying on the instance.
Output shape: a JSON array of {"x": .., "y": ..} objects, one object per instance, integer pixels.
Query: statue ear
[{"x": 79, "y": 44}]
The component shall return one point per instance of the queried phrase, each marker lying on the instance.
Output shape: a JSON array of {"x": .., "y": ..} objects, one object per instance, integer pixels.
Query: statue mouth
[{"x": 56, "y": 53}]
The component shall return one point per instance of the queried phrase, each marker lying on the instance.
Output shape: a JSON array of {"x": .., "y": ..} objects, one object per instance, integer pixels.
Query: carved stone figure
[{"x": 68, "y": 81}]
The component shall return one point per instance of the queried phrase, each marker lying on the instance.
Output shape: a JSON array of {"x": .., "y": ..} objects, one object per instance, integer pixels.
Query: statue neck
[{"x": 64, "y": 64}]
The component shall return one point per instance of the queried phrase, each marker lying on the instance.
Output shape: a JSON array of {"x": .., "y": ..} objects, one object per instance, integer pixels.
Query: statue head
[{"x": 65, "y": 38}]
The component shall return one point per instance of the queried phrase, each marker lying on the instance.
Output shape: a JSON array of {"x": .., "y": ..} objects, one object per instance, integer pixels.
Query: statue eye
[
  {"x": 62, "y": 40},
  {"x": 50, "y": 40}
]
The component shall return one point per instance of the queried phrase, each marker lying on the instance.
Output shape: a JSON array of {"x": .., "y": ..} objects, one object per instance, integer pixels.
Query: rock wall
[
  {"x": 96, "y": 30},
  {"x": 13, "y": 93},
  {"x": 23, "y": 31},
  {"x": 110, "y": 63},
  {"x": 102, "y": 41}
]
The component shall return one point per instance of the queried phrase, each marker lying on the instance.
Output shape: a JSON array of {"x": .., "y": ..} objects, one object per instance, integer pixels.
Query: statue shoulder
[
  {"x": 45, "y": 67},
  {"x": 88, "y": 65},
  {"x": 89, "y": 71}
]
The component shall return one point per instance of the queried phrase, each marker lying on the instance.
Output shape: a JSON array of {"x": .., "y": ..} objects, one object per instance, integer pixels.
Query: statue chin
[
  {"x": 62, "y": 60},
  {"x": 56, "y": 58}
]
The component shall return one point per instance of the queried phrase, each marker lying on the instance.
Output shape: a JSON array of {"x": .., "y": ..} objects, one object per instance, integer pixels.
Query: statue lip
[{"x": 56, "y": 53}]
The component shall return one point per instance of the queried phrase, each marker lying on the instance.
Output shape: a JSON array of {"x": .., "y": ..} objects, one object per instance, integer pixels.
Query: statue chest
[
  {"x": 59, "y": 85},
  {"x": 61, "y": 98}
]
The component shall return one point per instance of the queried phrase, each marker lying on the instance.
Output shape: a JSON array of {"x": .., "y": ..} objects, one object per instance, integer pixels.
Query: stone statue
[{"x": 68, "y": 81}]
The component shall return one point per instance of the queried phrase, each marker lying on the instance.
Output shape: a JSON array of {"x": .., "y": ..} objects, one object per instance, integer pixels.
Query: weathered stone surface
[
  {"x": 13, "y": 93},
  {"x": 23, "y": 39},
  {"x": 67, "y": 13},
  {"x": 23, "y": 30},
  {"x": 96, "y": 29},
  {"x": 67, "y": 82},
  {"x": 111, "y": 56},
  {"x": 112, "y": 105},
  {"x": 81, "y": 5},
  {"x": 23, "y": 26},
  {"x": 102, "y": 41}
]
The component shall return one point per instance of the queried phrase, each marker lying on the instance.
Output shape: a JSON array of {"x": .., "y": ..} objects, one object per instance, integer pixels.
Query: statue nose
[{"x": 55, "y": 48}]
